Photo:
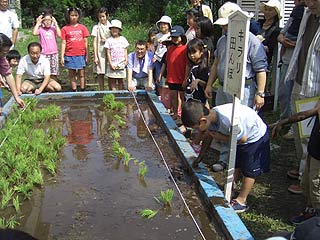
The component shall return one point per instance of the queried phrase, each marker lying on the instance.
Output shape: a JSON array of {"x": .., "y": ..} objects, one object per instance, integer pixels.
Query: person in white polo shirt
[
  {"x": 36, "y": 68},
  {"x": 9, "y": 22}
]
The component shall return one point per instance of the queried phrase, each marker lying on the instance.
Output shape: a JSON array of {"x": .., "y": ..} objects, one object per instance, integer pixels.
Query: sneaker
[
  {"x": 295, "y": 189},
  {"x": 305, "y": 215},
  {"x": 293, "y": 173},
  {"x": 218, "y": 167},
  {"x": 237, "y": 207},
  {"x": 289, "y": 135}
]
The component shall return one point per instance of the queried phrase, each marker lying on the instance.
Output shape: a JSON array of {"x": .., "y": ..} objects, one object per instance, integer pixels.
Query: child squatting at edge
[{"x": 253, "y": 150}]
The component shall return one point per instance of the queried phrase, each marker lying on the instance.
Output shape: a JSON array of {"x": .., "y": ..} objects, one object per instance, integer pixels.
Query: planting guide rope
[
  {"x": 165, "y": 163},
  {"x": 15, "y": 122}
]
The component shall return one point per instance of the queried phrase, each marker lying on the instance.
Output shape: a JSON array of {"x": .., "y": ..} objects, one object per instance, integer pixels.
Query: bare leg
[
  {"x": 112, "y": 84},
  {"x": 101, "y": 81},
  {"x": 81, "y": 75},
  {"x": 174, "y": 102},
  {"x": 72, "y": 76},
  {"x": 246, "y": 186},
  {"x": 120, "y": 84}
]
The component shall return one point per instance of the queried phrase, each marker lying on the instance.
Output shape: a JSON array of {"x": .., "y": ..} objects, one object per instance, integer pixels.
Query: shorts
[
  {"x": 141, "y": 83},
  {"x": 75, "y": 62},
  {"x": 254, "y": 158},
  {"x": 36, "y": 83},
  {"x": 54, "y": 63},
  {"x": 175, "y": 86}
]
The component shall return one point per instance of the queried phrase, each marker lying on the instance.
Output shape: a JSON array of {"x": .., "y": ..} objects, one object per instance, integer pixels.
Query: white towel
[{"x": 136, "y": 66}]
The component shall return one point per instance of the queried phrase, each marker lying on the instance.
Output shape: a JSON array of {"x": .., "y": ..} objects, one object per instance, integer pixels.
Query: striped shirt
[{"x": 310, "y": 86}]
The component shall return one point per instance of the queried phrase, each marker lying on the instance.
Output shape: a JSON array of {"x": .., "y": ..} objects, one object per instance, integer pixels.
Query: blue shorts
[
  {"x": 254, "y": 158},
  {"x": 75, "y": 62}
]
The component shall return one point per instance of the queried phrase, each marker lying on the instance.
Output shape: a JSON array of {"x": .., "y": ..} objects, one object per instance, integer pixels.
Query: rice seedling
[
  {"x": 126, "y": 157},
  {"x": 148, "y": 213},
  {"x": 16, "y": 203},
  {"x": 115, "y": 134},
  {"x": 119, "y": 120},
  {"x": 166, "y": 197},
  {"x": 143, "y": 169},
  {"x": 109, "y": 100},
  {"x": 6, "y": 197},
  {"x": 112, "y": 127},
  {"x": 12, "y": 222}
]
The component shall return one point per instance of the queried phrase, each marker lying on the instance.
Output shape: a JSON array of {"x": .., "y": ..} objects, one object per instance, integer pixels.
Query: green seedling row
[{"x": 30, "y": 149}]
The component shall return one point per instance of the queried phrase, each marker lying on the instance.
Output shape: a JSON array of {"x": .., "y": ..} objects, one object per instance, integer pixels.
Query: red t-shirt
[
  {"x": 74, "y": 36},
  {"x": 176, "y": 64}
]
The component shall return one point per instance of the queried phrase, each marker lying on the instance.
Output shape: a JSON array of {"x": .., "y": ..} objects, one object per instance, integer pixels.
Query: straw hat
[
  {"x": 274, "y": 4},
  {"x": 116, "y": 24},
  {"x": 225, "y": 11}
]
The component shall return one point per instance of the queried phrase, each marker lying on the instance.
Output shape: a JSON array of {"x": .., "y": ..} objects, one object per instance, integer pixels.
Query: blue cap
[{"x": 176, "y": 31}]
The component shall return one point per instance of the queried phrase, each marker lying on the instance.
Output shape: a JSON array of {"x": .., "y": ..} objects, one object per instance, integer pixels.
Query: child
[
  {"x": 100, "y": 32},
  {"x": 74, "y": 48},
  {"x": 176, "y": 67},
  {"x": 311, "y": 174},
  {"x": 253, "y": 150},
  {"x": 5, "y": 70},
  {"x": 204, "y": 31},
  {"x": 13, "y": 57},
  {"x": 117, "y": 54},
  {"x": 151, "y": 36},
  {"x": 192, "y": 15},
  {"x": 48, "y": 30},
  {"x": 164, "y": 26}
]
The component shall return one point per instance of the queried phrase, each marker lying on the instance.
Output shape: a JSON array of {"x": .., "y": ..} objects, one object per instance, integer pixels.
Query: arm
[
  {"x": 43, "y": 85},
  {"x": 109, "y": 59},
  {"x": 95, "y": 50},
  {"x": 125, "y": 56},
  {"x": 14, "y": 91},
  {"x": 295, "y": 118},
  {"x": 18, "y": 83},
  {"x": 87, "y": 49},
  {"x": 261, "y": 83},
  {"x": 204, "y": 147},
  {"x": 63, "y": 49},
  {"x": 58, "y": 30},
  {"x": 14, "y": 35},
  {"x": 130, "y": 87},
  {"x": 212, "y": 79},
  {"x": 163, "y": 68},
  {"x": 35, "y": 30},
  {"x": 150, "y": 78}
]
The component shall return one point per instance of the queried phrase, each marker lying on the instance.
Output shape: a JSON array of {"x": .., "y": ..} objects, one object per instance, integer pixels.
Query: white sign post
[{"x": 234, "y": 81}]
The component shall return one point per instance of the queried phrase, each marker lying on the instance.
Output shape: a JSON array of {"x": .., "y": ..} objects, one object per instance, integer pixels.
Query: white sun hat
[
  {"x": 274, "y": 4},
  {"x": 225, "y": 11},
  {"x": 116, "y": 24},
  {"x": 164, "y": 19}
]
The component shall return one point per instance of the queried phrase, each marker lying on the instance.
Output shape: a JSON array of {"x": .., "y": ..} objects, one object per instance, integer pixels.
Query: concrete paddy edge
[{"x": 229, "y": 222}]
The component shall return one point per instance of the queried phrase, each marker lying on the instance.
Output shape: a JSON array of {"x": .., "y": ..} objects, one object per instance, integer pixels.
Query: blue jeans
[{"x": 285, "y": 90}]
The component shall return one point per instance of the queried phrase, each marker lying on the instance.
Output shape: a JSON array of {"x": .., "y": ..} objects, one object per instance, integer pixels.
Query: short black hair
[
  {"x": 206, "y": 27},
  {"x": 192, "y": 111},
  {"x": 34, "y": 44},
  {"x": 13, "y": 54},
  {"x": 68, "y": 11},
  {"x": 4, "y": 41},
  {"x": 141, "y": 42},
  {"x": 15, "y": 234},
  {"x": 102, "y": 10}
]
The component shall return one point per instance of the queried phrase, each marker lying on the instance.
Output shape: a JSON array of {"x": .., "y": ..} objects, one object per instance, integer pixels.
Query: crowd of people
[{"x": 188, "y": 63}]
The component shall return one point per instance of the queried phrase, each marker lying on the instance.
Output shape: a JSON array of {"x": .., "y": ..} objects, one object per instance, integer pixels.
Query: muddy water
[{"x": 94, "y": 196}]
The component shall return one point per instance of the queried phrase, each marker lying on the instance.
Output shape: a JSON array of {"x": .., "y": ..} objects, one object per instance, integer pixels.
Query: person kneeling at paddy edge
[
  {"x": 37, "y": 70},
  {"x": 253, "y": 150}
]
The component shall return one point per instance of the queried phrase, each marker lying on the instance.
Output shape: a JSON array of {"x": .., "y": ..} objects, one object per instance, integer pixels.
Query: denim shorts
[{"x": 75, "y": 62}]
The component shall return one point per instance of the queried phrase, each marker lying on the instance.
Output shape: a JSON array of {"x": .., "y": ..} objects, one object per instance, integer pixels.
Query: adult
[
  {"x": 37, "y": 70},
  {"x": 140, "y": 68},
  {"x": 255, "y": 74},
  {"x": 9, "y": 22},
  {"x": 306, "y": 77},
  {"x": 270, "y": 26},
  {"x": 204, "y": 9}
]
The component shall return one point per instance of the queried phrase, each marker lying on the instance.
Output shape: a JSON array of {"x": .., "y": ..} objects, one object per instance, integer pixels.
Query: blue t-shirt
[{"x": 250, "y": 124}]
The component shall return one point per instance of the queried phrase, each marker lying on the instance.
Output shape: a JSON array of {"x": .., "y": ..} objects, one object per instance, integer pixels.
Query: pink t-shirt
[
  {"x": 5, "y": 68},
  {"x": 48, "y": 40},
  {"x": 117, "y": 47},
  {"x": 74, "y": 36}
]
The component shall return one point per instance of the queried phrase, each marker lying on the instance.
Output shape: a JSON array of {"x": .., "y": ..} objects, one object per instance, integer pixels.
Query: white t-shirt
[
  {"x": 8, "y": 21},
  {"x": 250, "y": 124},
  {"x": 160, "y": 48},
  {"x": 34, "y": 71},
  {"x": 117, "y": 47}
]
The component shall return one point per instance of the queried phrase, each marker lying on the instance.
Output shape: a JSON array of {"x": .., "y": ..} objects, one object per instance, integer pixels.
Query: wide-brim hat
[
  {"x": 274, "y": 4},
  {"x": 164, "y": 19},
  {"x": 116, "y": 24},
  {"x": 225, "y": 11}
]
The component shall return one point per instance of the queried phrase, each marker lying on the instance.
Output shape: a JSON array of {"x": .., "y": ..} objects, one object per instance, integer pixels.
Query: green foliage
[
  {"x": 109, "y": 100},
  {"x": 115, "y": 134},
  {"x": 166, "y": 197},
  {"x": 143, "y": 169},
  {"x": 148, "y": 213},
  {"x": 16, "y": 203},
  {"x": 119, "y": 120},
  {"x": 8, "y": 223},
  {"x": 177, "y": 11}
]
